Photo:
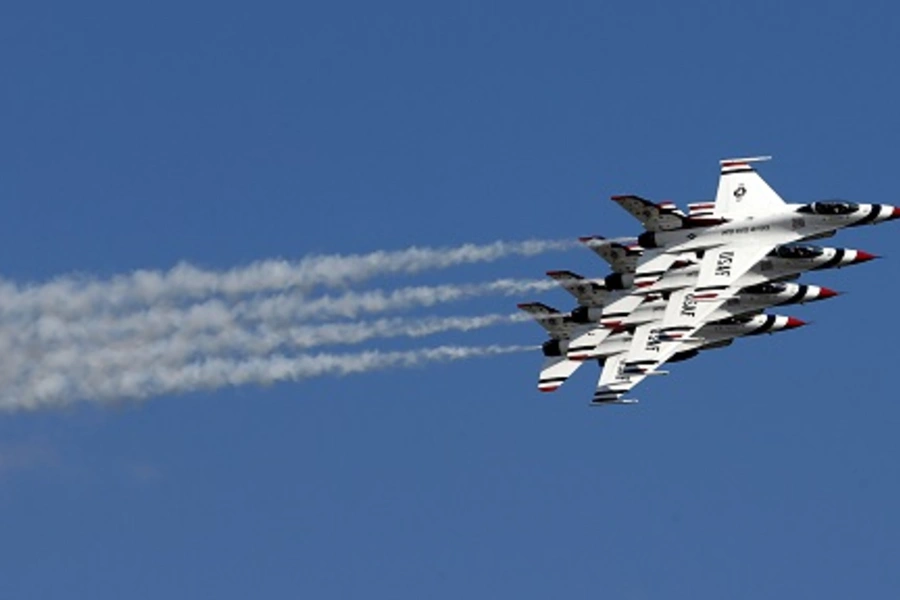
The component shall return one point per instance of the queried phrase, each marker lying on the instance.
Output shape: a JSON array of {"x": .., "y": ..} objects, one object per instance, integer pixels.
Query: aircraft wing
[
  {"x": 687, "y": 311},
  {"x": 722, "y": 267},
  {"x": 614, "y": 382}
]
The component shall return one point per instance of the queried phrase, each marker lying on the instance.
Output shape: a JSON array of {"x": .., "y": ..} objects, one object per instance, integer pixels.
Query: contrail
[
  {"x": 33, "y": 365},
  {"x": 149, "y": 332},
  {"x": 118, "y": 349},
  {"x": 266, "y": 340},
  {"x": 280, "y": 310},
  {"x": 354, "y": 304},
  {"x": 73, "y": 296},
  {"x": 92, "y": 380}
]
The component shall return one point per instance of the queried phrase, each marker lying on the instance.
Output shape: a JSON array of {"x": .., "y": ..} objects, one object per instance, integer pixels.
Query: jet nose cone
[
  {"x": 793, "y": 323},
  {"x": 863, "y": 256},
  {"x": 827, "y": 293},
  {"x": 895, "y": 213}
]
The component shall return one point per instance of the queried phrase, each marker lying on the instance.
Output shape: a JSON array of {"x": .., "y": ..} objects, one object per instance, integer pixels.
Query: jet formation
[{"x": 695, "y": 281}]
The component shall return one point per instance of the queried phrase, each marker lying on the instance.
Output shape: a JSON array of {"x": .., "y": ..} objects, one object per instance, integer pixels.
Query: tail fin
[{"x": 742, "y": 191}]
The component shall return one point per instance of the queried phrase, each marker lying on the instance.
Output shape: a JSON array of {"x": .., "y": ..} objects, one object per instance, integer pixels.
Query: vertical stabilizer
[{"x": 742, "y": 192}]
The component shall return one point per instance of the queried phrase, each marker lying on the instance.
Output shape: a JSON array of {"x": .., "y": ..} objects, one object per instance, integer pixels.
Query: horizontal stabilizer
[
  {"x": 558, "y": 325},
  {"x": 563, "y": 275},
  {"x": 555, "y": 372},
  {"x": 621, "y": 254},
  {"x": 654, "y": 217},
  {"x": 538, "y": 309},
  {"x": 587, "y": 292}
]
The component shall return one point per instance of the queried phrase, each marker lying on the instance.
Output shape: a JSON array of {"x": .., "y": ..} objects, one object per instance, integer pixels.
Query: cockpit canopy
[
  {"x": 836, "y": 207},
  {"x": 796, "y": 251},
  {"x": 769, "y": 287}
]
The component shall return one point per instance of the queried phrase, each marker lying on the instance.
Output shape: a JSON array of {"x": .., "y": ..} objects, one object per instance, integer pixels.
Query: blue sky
[{"x": 138, "y": 136}]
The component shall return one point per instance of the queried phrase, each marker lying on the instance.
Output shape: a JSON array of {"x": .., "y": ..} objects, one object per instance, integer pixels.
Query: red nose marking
[
  {"x": 827, "y": 293},
  {"x": 863, "y": 256},
  {"x": 895, "y": 213},
  {"x": 793, "y": 323}
]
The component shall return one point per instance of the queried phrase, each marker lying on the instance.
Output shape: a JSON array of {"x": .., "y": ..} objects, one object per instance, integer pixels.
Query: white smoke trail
[
  {"x": 354, "y": 304},
  {"x": 136, "y": 335},
  {"x": 216, "y": 314},
  {"x": 95, "y": 381},
  {"x": 36, "y": 368},
  {"x": 265, "y": 340},
  {"x": 73, "y": 296},
  {"x": 144, "y": 347}
]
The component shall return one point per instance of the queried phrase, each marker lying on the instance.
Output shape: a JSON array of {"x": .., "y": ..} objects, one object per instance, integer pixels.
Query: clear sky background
[{"x": 140, "y": 135}]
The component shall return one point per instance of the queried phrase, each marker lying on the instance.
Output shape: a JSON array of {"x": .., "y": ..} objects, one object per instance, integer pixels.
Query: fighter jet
[
  {"x": 784, "y": 263},
  {"x": 612, "y": 353},
  {"x": 716, "y": 334},
  {"x": 747, "y": 224},
  {"x": 563, "y": 327}
]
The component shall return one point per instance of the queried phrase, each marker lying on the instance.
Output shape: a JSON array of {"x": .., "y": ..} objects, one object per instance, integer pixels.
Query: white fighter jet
[
  {"x": 563, "y": 327},
  {"x": 718, "y": 333},
  {"x": 784, "y": 263},
  {"x": 747, "y": 223}
]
